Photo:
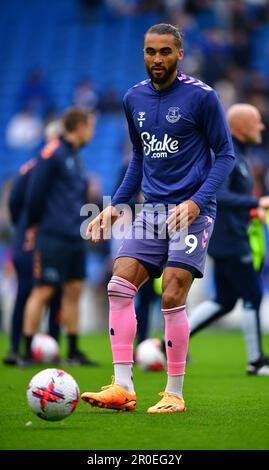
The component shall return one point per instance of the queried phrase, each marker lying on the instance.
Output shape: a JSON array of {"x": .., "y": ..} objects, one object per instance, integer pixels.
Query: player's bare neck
[{"x": 163, "y": 86}]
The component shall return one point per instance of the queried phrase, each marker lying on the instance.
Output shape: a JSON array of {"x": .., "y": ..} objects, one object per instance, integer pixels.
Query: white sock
[
  {"x": 124, "y": 376},
  {"x": 175, "y": 385},
  {"x": 251, "y": 333},
  {"x": 203, "y": 313}
]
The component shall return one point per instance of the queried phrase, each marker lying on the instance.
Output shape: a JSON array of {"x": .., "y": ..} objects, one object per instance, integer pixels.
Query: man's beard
[{"x": 167, "y": 74}]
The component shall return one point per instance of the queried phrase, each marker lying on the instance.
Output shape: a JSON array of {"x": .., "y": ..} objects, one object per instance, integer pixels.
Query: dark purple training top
[{"x": 174, "y": 132}]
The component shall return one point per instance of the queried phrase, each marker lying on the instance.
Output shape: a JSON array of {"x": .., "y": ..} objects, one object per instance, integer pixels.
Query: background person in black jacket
[
  {"x": 234, "y": 274},
  {"x": 22, "y": 257},
  {"x": 57, "y": 191}
]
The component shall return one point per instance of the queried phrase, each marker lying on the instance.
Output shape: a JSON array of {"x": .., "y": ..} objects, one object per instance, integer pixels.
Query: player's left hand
[{"x": 182, "y": 216}]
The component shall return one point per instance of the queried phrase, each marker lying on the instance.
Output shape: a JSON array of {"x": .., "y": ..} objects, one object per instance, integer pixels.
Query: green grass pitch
[{"x": 226, "y": 409}]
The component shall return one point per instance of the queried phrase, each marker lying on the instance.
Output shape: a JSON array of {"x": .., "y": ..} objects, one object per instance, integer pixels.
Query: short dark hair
[
  {"x": 164, "y": 28},
  {"x": 74, "y": 116}
]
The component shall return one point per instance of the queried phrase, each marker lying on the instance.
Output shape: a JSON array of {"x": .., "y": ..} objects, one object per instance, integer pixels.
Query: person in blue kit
[
  {"x": 57, "y": 191},
  {"x": 174, "y": 121},
  {"x": 234, "y": 273},
  {"x": 23, "y": 262}
]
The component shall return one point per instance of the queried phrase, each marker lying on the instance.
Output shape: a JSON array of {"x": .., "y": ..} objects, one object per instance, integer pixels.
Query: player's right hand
[
  {"x": 102, "y": 224},
  {"x": 264, "y": 202}
]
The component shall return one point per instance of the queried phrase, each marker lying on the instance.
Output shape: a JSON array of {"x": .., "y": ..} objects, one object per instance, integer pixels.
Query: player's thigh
[
  {"x": 143, "y": 251},
  {"x": 187, "y": 250},
  {"x": 72, "y": 289},
  {"x": 131, "y": 269}
]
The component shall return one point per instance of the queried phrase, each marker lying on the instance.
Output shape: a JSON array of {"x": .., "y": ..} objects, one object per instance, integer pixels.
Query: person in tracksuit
[
  {"x": 174, "y": 122},
  {"x": 57, "y": 191},
  {"x": 22, "y": 256},
  {"x": 234, "y": 273}
]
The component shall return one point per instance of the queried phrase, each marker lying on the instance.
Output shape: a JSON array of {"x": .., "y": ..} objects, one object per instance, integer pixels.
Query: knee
[
  {"x": 174, "y": 293},
  {"x": 42, "y": 294},
  {"x": 226, "y": 306},
  {"x": 72, "y": 290},
  {"x": 131, "y": 270},
  {"x": 168, "y": 300}
]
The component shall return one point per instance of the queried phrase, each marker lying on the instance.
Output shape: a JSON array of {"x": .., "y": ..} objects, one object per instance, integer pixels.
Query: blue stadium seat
[{"x": 54, "y": 37}]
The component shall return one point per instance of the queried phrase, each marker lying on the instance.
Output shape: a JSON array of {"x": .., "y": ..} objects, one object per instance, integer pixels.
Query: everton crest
[{"x": 173, "y": 115}]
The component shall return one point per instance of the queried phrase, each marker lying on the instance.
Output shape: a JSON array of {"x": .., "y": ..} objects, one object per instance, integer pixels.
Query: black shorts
[
  {"x": 57, "y": 260},
  {"x": 236, "y": 278}
]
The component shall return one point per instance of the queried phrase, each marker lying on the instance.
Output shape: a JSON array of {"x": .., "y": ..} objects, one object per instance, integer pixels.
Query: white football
[
  {"x": 149, "y": 355},
  {"x": 53, "y": 394},
  {"x": 44, "y": 348}
]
